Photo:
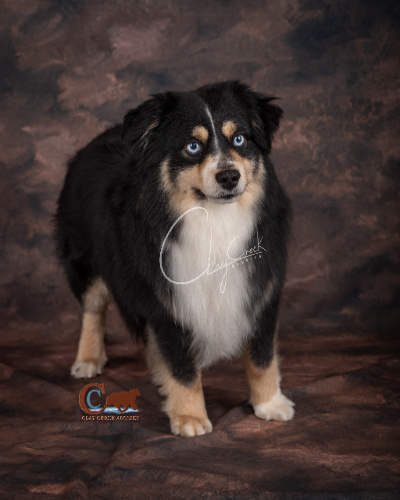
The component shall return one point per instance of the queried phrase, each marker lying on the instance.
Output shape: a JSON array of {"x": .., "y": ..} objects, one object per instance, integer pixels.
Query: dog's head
[{"x": 207, "y": 146}]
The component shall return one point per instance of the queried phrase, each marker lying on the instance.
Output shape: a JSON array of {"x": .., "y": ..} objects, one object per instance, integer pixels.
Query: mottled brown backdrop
[{"x": 71, "y": 68}]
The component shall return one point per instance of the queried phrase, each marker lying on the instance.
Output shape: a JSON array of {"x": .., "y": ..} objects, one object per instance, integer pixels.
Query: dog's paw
[
  {"x": 278, "y": 408},
  {"x": 190, "y": 426},
  {"x": 87, "y": 369}
]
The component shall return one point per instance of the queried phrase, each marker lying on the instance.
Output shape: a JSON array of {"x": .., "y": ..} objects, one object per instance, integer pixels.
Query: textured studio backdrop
[{"x": 71, "y": 69}]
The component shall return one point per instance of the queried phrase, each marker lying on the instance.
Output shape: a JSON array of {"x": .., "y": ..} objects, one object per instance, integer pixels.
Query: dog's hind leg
[{"x": 91, "y": 356}]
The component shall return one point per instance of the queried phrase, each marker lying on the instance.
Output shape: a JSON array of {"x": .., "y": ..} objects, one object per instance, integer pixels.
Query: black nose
[{"x": 228, "y": 179}]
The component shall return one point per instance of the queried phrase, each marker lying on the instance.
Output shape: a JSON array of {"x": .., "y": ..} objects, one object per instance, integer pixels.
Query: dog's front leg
[
  {"x": 262, "y": 370},
  {"x": 179, "y": 381}
]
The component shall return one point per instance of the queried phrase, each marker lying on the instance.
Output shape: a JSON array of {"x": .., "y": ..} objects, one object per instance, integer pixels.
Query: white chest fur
[{"x": 211, "y": 293}]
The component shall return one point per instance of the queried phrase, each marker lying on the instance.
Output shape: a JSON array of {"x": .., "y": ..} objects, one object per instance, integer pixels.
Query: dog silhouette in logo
[{"x": 122, "y": 400}]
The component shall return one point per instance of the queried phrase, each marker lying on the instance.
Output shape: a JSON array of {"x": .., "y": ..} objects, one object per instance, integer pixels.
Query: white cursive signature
[{"x": 213, "y": 268}]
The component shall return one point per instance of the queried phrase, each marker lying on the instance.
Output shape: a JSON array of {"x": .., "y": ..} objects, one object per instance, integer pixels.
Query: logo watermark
[{"x": 117, "y": 406}]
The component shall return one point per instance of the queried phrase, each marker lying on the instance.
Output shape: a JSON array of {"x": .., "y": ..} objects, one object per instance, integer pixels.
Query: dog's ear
[
  {"x": 265, "y": 116},
  {"x": 141, "y": 123},
  {"x": 265, "y": 121}
]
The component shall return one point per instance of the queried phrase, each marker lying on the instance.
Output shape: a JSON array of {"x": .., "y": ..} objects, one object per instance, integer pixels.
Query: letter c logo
[{"x": 85, "y": 398}]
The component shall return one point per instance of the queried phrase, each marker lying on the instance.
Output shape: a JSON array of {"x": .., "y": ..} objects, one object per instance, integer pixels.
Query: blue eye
[
  {"x": 193, "y": 148},
  {"x": 239, "y": 141}
]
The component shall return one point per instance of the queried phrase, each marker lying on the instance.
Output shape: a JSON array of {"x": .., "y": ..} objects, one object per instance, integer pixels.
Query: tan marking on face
[
  {"x": 248, "y": 165},
  {"x": 180, "y": 192},
  {"x": 183, "y": 197},
  {"x": 91, "y": 356},
  {"x": 255, "y": 184},
  {"x": 254, "y": 179},
  {"x": 200, "y": 133},
  {"x": 184, "y": 404},
  {"x": 263, "y": 382},
  {"x": 228, "y": 129}
]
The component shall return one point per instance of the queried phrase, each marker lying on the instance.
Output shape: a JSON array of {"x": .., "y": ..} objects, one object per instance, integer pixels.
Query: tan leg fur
[
  {"x": 265, "y": 393},
  {"x": 91, "y": 356},
  {"x": 183, "y": 404}
]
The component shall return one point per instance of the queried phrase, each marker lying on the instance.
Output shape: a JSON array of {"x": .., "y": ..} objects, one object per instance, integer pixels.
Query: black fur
[{"x": 113, "y": 213}]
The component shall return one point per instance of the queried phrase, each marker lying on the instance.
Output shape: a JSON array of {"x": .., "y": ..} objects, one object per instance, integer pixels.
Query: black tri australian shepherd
[{"x": 177, "y": 215}]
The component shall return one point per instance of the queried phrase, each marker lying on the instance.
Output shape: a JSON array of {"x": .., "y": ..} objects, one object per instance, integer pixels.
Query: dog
[{"x": 177, "y": 215}]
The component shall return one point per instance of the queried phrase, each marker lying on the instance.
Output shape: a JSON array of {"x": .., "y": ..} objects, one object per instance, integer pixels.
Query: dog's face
[{"x": 208, "y": 145}]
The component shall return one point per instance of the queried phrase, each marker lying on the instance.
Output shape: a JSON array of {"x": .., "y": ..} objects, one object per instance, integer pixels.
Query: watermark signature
[{"x": 212, "y": 268}]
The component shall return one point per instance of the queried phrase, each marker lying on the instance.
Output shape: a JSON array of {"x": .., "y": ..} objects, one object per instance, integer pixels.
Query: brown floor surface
[{"x": 342, "y": 442}]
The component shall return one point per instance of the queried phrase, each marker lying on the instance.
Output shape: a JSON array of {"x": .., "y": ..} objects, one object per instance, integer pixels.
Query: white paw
[
  {"x": 278, "y": 408},
  {"x": 190, "y": 426},
  {"x": 87, "y": 369}
]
